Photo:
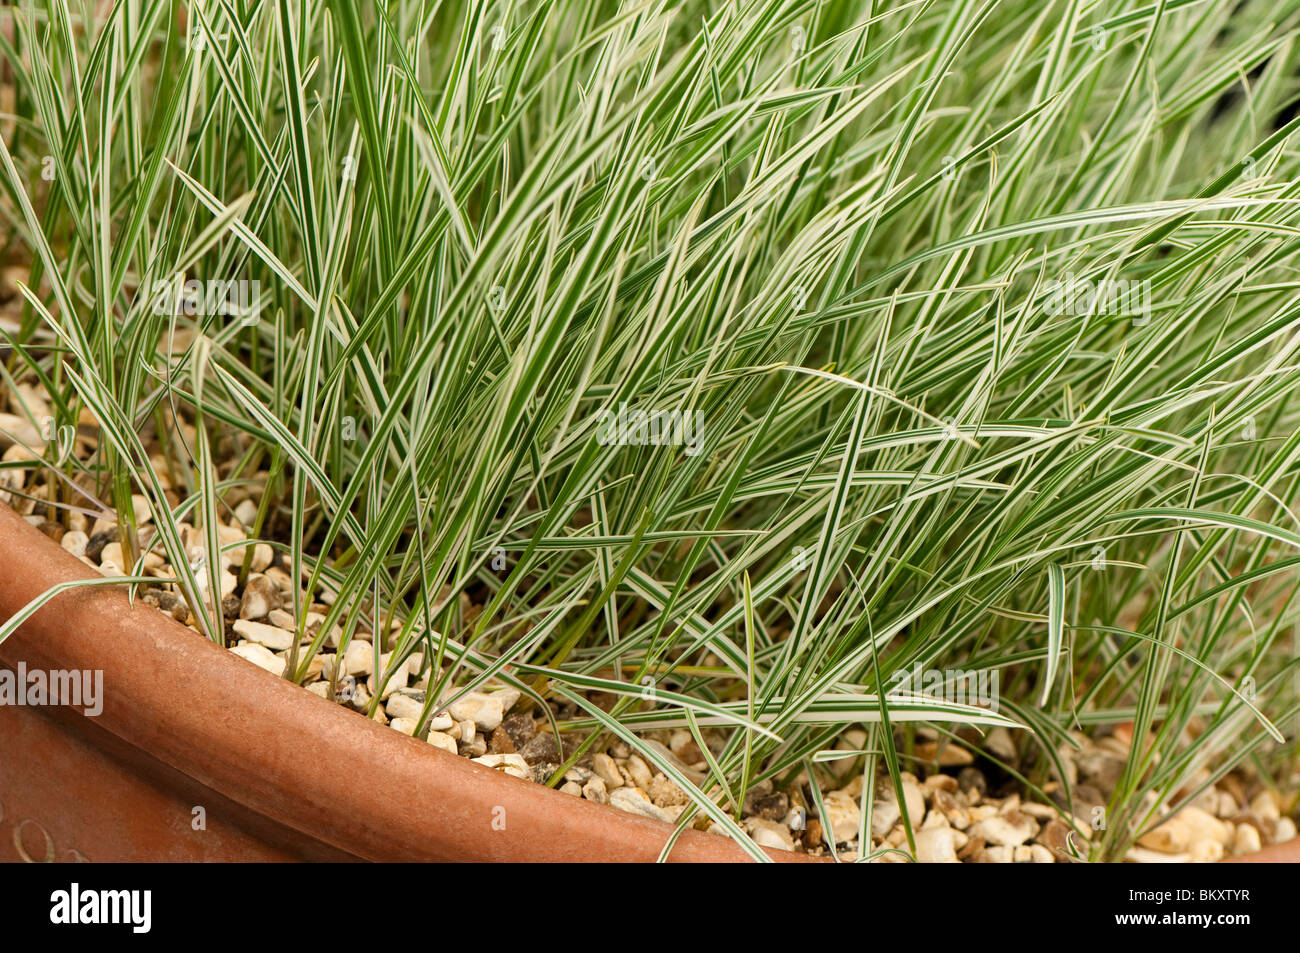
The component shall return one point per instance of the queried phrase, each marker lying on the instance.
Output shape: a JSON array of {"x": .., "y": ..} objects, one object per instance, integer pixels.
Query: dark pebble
[
  {"x": 52, "y": 529},
  {"x": 542, "y": 772},
  {"x": 774, "y": 807},
  {"x": 520, "y": 728},
  {"x": 173, "y": 605},
  {"x": 95, "y": 547},
  {"x": 972, "y": 778},
  {"x": 541, "y": 748},
  {"x": 501, "y": 742}
]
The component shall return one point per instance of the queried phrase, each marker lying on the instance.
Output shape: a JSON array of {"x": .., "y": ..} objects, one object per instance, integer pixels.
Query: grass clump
[{"x": 968, "y": 332}]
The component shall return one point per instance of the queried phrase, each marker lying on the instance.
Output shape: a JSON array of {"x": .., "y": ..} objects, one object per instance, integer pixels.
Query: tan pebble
[
  {"x": 482, "y": 710},
  {"x": 1000, "y": 743},
  {"x": 1206, "y": 852},
  {"x": 1040, "y": 811},
  {"x": 940, "y": 782},
  {"x": 112, "y": 553},
  {"x": 75, "y": 542},
  {"x": 948, "y": 756},
  {"x": 884, "y": 815},
  {"x": 936, "y": 846},
  {"x": 401, "y": 705},
  {"x": 405, "y": 725},
  {"x": 141, "y": 509},
  {"x": 231, "y": 534},
  {"x": 246, "y": 513},
  {"x": 1286, "y": 830},
  {"x": 845, "y": 816},
  {"x": 506, "y": 697},
  {"x": 1246, "y": 840},
  {"x": 634, "y": 801},
  {"x": 914, "y": 800},
  {"x": 359, "y": 659},
  {"x": 933, "y": 819},
  {"x": 16, "y": 430},
  {"x": 1006, "y": 830},
  {"x": 1189, "y": 826},
  {"x": 314, "y": 667},
  {"x": 261, "y": 596},
  {"x": 956, "y": 815},
  {"x": 262, "y": 556},
  {"x": 511, "y": 764},
  {"x": 1263, "y": 805},
  {"x": 639, "y": 771},
  {"x": 260, "y": 656},
  {"x": 679, "y": 740},
  {"x": 607, "y": 770},
  {"x": 441, "y": 740},
  {"x": 665, "y": 793},
  {"x": 276, "y": 639},
  {"x": 360, "y": 699},
  {"x": 281, "y": 618},
  {"x": 766, "y": 833}
]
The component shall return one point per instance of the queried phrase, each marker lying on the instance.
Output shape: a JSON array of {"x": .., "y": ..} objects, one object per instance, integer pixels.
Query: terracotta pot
[
  {"x": 1284, "y": 853},
  {"x": 278, "y": 773}
]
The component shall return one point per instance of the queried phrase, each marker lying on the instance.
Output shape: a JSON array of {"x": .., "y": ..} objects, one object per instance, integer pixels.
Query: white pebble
[
  {"x": 268, "y": 635},
  {"x": 484, "y": 710},
  {"x": 512, "y": 764},
  {"x": 444, "y": 741},
  {"x": 401, "y": 705},
  {"x": 359, "y": 659},
  {"x": 634, "y": 801},
  {"x": 607, "y": 770},
  {"x": 260, "y": 656},
  {"x": 936, "y": 846},
  {"x": 405, "y": 725},
  {"x": 75, "y": 542}
]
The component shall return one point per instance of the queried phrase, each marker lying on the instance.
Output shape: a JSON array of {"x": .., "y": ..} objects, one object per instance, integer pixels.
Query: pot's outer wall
[
  {"x": 64, "y": 800},
  {"x": 281, "y": 772}
]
